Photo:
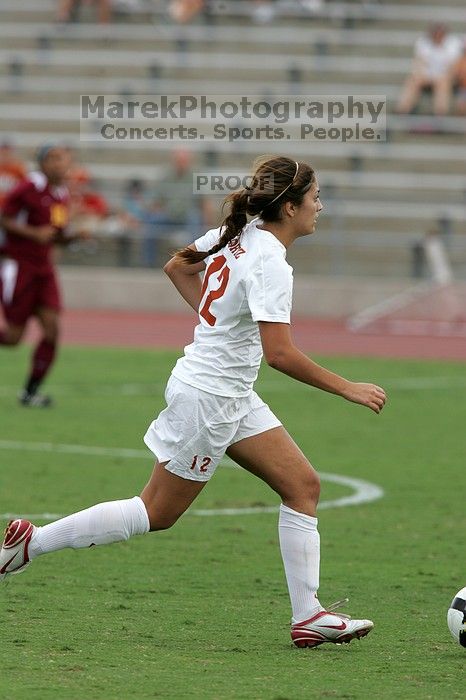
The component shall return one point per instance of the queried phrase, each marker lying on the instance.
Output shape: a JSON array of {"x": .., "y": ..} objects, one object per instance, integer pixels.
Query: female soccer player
[
  {"x": 244, "y": 304},
  {"x": 34, "y": 218}
]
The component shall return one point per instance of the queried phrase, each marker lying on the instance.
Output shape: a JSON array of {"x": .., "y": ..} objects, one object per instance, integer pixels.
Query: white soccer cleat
[
  {"x": 328, "y": 626},
  {"x": 34, "y": 400},
  {"x": 14, "y": 555}
]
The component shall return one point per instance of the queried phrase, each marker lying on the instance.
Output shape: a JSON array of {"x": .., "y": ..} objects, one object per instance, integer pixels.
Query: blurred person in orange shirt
[
  {"x": 89, "y": 210},
  {"x": 12, "y": 170},
  {"x": 87, "y": 206}
]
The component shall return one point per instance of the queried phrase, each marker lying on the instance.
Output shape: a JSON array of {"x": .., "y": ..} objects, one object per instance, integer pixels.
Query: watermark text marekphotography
[{"x": 155, "y": 118}]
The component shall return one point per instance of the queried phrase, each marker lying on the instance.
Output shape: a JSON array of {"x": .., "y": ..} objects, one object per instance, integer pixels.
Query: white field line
[
  {"x": 90, "y": 450},
  {"x": 364, "y": 491},
  {"x": 152, "y": 389}
]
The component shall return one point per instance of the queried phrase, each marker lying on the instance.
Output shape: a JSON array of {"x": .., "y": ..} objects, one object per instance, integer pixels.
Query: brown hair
[{"x": 276, "y": 180}]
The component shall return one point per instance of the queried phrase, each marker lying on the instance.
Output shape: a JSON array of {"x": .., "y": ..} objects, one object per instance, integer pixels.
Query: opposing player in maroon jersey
[{"x": 34, "y": 217}]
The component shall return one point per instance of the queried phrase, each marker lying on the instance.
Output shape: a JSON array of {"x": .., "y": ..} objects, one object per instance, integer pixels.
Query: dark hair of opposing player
[
  {"x": 276, "y": 180},
  {"x": 44, "y": 150}
]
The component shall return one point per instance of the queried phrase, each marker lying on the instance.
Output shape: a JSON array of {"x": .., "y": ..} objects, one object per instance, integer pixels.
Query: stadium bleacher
[{"x": 380, "y": 198}]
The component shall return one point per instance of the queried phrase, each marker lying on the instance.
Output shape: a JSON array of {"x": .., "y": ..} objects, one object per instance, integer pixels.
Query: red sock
[{"x": 42, "y": 359}]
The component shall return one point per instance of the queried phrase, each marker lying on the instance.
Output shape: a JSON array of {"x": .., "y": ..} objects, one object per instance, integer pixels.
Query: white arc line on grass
[{"x": 364, "y": 491}]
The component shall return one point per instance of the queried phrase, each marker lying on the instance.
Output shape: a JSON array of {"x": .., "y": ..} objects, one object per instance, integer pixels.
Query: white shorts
[{"x": 193, "y": 433}]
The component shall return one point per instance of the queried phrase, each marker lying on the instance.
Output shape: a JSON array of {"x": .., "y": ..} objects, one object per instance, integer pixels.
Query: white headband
[{"x": 286, "y": 188}]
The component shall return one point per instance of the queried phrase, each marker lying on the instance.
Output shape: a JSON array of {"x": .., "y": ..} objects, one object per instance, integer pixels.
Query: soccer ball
[{"x": 456, "y": 617}]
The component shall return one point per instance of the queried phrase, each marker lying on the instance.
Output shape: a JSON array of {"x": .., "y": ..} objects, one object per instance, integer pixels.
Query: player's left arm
[
  {"x": 281, "y": 353},
  {"x": 185, "y": 277}
]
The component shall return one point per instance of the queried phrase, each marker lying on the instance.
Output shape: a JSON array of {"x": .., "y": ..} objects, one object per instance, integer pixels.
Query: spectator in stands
[
  {"x": 188, "y": 213},
  {"x": 12, "y": 170},
  {"x": 87, "y": 207},
  {"x": 183, "y": 11},
  {"x": 91, "y": 211},
  {"x": 156, "y": 227},
  {"x": 435, "y": 55},
  {"x": 151, "y": 219},
  {"x": 263, "y": 11},
  {"x": 134, "y": 200},
  {"x": 459, "y": 80},
  {"x": 68, "y": 10}
]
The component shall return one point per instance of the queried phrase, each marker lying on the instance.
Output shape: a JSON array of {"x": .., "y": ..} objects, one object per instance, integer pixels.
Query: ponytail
[{"x": 231, "y": 228}]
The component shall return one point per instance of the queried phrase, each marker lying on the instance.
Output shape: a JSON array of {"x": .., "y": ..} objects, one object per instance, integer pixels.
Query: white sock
[
  {"x": 300, "y": 549},
  {"x": 101, "y": 524}
]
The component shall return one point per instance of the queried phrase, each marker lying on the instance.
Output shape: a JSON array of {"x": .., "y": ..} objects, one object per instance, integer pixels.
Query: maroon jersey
[{"x": 37, "y": 203}]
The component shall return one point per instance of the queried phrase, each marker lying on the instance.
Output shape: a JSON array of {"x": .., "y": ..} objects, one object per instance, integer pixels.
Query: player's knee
[
  {"x": 12, "y": 336},
  {"x": 306, "y": 489},
  {"x": 311, "y": 485},
  {"x": 52, "y": 331},
  {"x": 302, "y": 493},
  {"x": 161, "y": 521}
]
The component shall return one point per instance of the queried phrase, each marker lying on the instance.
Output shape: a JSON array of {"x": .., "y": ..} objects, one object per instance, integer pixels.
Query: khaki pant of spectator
[{"x": 441, "y": 88}]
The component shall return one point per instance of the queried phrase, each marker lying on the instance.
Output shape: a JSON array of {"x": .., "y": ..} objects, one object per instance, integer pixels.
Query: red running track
[{"x": 156, "y": 330}]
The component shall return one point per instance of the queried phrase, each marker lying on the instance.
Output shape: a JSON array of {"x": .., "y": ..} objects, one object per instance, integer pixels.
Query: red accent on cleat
[
  {"x": 319, "y": 629},
  {"x": 14, "y": 553},
  {"x": 17, "y": 531}
]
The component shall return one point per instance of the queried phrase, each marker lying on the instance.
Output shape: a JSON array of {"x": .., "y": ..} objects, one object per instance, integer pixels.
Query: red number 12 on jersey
[{"x": 217, "y": 264}]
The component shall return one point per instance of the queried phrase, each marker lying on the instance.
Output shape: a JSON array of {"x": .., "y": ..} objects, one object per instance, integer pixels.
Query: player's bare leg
[
  {"x": 164, "y": 499},
  {"x": 167, "y": 496},
  {"x": 276, "y": 459},
  {"x": 49, "y": 320},
  {"x": 11, "y": 334},
  {"x": 42, "y": 359}
]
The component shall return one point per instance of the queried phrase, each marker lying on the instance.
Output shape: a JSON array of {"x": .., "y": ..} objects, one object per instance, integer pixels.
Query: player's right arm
[
  {"x": 14, "y": 203},
  {"x": 281, "y": 354},
  {"x": 40, "y": 234},
  {"x": 185, "y": 277}
]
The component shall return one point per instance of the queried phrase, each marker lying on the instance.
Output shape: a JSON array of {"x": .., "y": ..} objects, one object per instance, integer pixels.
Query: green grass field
[{"x": 201, "y": 611}]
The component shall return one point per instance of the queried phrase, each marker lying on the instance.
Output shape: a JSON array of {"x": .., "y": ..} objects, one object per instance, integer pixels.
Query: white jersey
[
  {"x": 438, "y": 58},
  {"x": 247, "y": 281}
]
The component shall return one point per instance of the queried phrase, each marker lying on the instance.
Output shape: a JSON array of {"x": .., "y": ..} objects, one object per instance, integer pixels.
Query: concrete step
[
  {"x": 227, "y": 61},
  {"x": 422, "y": 156},
  {"x": 158, "y": 43},
  {"x": 57, "y": 115},
  {"x": 62, "y": 90},
  {"x": 325, "y": 39},
  {"x": 312, "y": 255},
  {"x": 229, "y": 9}
]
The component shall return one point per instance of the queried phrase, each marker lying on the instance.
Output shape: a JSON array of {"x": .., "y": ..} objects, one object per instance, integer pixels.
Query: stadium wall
[{"x": 150, "y": 290}]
